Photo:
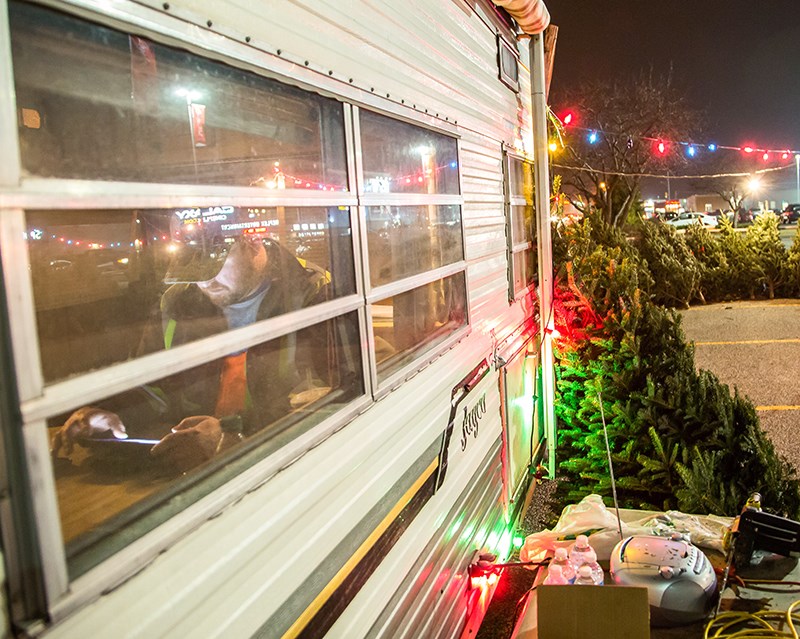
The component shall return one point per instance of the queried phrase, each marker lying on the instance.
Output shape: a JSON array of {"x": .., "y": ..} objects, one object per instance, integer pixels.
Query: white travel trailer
[{"x": 275, "y": 350}]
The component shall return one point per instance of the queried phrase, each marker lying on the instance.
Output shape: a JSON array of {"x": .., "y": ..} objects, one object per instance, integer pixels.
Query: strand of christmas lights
[
  {"x": 692, "y": 148},
  {"x": 670, "y": 176}
]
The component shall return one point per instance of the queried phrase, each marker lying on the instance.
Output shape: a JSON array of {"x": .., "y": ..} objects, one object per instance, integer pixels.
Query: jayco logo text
[{"x": 469, "y": 425}]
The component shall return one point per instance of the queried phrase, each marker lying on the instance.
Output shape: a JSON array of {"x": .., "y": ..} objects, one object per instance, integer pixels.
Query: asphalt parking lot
[{"x": 755, "y": 347}]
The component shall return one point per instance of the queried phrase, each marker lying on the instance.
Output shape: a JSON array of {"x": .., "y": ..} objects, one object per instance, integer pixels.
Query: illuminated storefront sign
[
  {"x": 211, "y": 214},
  {"x": 257, "y": 224}
]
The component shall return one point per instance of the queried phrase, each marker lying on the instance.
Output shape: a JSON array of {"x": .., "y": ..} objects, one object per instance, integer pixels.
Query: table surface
[{"x": 92, "y": 487}]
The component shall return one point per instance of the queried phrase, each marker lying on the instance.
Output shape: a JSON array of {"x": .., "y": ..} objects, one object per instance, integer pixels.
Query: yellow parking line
[
  {"x": 788, "y": 340},
  {"x": 777, "y": 303},
  {"x": 777, "y": 407}
]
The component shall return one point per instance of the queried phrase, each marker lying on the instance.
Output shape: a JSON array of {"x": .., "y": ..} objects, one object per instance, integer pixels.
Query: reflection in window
[
  {"x": 110, "y": 285},
  {"x": 408, "y": 240},
  {"x": 524, "y": 269},
  {"x": 522, "y": 236},
  {"x": 105, "y": 484},
  {"x": 403, "y": 158},
  {"x": 117, "y": 107},
  {"x": 408, "y": 324}
]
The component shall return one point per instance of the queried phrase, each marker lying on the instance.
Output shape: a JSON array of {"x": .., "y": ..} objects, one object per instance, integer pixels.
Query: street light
[
  {"x": 753, "y": 187},
  {"x": 754, "y": 184}
]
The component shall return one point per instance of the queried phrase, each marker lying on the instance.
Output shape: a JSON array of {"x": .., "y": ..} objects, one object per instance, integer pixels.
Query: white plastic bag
[
  {"x": 588, "y": 517},
  {"x": 591, "y": 517}
]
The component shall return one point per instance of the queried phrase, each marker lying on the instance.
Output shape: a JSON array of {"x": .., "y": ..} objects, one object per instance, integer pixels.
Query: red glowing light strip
[{"x": 407, "y": 179}]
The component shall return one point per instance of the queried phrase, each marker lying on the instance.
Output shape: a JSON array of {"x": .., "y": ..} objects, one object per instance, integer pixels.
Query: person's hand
[
  {"x": 87, "y": 423},
  {"x": 190, "y": 443}
]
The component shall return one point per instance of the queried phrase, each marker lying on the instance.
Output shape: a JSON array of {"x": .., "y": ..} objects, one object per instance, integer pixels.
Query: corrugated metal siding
[{"x": 431, "y": 601}]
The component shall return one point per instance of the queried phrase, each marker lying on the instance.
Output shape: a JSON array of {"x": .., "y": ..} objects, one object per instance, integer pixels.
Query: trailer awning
[{"x": 531, "y": 15}]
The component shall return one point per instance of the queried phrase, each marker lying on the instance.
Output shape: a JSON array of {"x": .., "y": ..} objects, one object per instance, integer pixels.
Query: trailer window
[
  {"x": 403, "y": 158},
  {"x": 414, "y": 240},
  {"x": 521, "y": 224},
  {"x": 113, "y": 106},
  {"x": 111, "y": 285},
  {"x": 411, "y": 323},
  {"x": 408, "y": 240},
  {"x": 109, "y": 488}
]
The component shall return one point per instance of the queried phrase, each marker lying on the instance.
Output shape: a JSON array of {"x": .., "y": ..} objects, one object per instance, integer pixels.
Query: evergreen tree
[
  {"x": 742, "y": 267},
  {"x": 678, "y": 438},
  {"x": 793, "y": 264},
  {"x": 769, "y": 256},
  {"x": 676, "y": 271},
  {"x": 714, "y": 267}
]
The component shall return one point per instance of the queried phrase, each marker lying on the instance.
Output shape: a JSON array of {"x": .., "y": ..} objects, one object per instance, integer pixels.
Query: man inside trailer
[{"x": 257, "y": 279}]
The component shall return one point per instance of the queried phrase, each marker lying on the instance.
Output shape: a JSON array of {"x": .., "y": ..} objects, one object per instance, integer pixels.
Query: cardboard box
[{"x": 592, "y": 612}]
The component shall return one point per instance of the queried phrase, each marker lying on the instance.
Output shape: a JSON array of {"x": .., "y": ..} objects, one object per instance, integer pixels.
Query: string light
[
  {"x": 588, "y": 169},
  {"x": 692, "y": 148}
]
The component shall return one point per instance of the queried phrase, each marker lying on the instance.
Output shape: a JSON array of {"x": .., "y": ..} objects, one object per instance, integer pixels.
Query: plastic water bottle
[
  {"x": 562, "y": 559},
  {"x": 597, "y": 573},
  {"x": 584, "y": 577},
  {"x": 582, "y": 554},
  {"x": 555, "y": 577}
]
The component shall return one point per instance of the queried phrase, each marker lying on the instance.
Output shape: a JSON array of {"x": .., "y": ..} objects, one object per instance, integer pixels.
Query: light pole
[
  {"x": 797, "y": 166},
  {"x": 190, "y": 96}
]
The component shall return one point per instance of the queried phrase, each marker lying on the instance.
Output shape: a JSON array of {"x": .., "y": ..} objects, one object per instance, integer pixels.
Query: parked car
[
  {"x": 790, "y": 214},
  {"x": 744, "y": 216},
  {"x": 693, "y": 217}
]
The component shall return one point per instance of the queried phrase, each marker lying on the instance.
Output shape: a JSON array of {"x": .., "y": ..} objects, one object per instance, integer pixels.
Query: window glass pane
[
  {"x": 111, "y": 285},
  {"x": 101, "y": 104},
  {"x": 409, "y": 324},
  {"x": 403, "y": 158},
  {"x": 115, "y": 487},
  {"x": 521, "y": 218},
  {"x": 521, "y": 178},
  {"x": 407, "y": 240},
  {"x": 520, "y": 270},
  {"x": 524, "y": 271}
]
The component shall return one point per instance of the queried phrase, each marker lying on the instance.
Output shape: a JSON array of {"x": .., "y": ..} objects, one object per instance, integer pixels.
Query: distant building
[
  {"x": 664, "y": 209},
  {"x": 706, "y": 203}
]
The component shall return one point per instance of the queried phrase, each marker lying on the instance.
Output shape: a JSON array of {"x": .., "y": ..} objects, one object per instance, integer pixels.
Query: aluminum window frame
[
  {"x": 40, "y": 400},
  {"x": 512, "y": 200},
  {"x": 380, "y": 388},
  {"x": 503, "y": 73}
]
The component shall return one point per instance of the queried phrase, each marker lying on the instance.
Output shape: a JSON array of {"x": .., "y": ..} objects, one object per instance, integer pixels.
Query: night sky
[{"x": 737, "y": 60}]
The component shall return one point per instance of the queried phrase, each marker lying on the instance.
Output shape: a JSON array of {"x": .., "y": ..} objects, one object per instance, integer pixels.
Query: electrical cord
[
  {"x": 523, "y": 599},
  {"x": 746, "y": 625},
  {"x": 769, "y": 585}
]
